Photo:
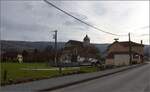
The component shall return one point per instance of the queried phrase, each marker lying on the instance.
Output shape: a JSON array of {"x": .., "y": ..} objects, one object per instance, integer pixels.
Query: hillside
[{"x": 26, "y": 45}]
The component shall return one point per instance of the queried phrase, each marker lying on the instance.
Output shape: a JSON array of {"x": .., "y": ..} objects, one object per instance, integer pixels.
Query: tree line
[{"x": 35, "y": 55}]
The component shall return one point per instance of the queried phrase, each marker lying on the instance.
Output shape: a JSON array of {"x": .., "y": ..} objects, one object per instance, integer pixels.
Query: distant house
[
  {"x": 77, "y": 51},
  {"x": 118, "y": 53}
]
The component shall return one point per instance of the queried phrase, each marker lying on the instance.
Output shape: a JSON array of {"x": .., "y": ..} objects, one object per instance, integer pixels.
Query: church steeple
[{"x": 86, "y": 40}]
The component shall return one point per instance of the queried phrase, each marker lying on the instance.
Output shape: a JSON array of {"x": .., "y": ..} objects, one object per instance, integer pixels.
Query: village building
[
  {"x": 118, "y": 53},
  {"x": 77, "y": 51}
]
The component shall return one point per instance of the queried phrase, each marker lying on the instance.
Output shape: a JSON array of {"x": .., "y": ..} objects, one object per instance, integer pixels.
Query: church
[{"x": 79, "y": 51}]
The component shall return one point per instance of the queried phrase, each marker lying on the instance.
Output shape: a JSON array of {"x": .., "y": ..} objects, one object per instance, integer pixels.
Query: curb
[{"x": 88, "y": 79}]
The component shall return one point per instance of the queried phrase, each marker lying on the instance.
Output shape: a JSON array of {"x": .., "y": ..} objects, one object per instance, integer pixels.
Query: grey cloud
[
  {"x": 80, "y": 16},
  {"x": 145, "y": 27},
  {"x": 76, "y": 25},
  {"x": 73, "y": 23},
  {"x": 99, "y": 8},
  {"x": 66, "y": 22},
  {"x": 33, "y": 20},
  {"x": 144, "y": 34},
  {"x": 100, "y": 11},
  {"x": 11, "y": 25},
  {"x": 126, "y": 12}
]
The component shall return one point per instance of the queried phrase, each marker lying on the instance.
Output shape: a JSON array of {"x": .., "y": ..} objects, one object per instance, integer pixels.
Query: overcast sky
[{"x": 35, "y": 20}]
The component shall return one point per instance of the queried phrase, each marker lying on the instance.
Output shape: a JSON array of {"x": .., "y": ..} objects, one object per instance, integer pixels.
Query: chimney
[{"x": 141, "y": 41}]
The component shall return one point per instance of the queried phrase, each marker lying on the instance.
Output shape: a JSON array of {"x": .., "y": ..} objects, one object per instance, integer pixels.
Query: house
[
  {"x": 77, "y": 51},
  {"x": 118, "y": 53}
]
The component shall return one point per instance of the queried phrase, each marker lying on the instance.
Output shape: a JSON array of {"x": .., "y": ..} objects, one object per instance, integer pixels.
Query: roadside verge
[
  {"x": 91, "y": 76},
  {"x": 60, "y": 82}
]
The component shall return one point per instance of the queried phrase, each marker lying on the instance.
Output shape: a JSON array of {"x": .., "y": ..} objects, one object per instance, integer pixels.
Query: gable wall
[{"x": 116, "y": 47}]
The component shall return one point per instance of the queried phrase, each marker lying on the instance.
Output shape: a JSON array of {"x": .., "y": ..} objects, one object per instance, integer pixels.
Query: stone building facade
[{"x": 118, "y": 53}]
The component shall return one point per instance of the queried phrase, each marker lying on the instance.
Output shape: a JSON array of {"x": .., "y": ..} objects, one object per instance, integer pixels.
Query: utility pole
[
  {"x": 130, "y": 49},
  {"x": 58, "y": 64},
  {"x": 149, "y": 46},
  {"x": 55, "y": 37}
]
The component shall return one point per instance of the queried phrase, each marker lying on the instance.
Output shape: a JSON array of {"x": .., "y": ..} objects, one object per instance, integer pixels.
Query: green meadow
[{"x": 13, "y": 72}]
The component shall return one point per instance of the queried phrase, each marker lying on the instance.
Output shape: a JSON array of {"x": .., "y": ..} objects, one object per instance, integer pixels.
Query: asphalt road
[{"x": 132, "y": 80}]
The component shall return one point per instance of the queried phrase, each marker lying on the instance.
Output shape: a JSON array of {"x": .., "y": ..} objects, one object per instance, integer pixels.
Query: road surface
[{"x": 132, "y": 80}]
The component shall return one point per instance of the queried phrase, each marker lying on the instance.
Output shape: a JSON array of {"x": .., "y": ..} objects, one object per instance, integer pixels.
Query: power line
[{"x": 81, "y": 20}]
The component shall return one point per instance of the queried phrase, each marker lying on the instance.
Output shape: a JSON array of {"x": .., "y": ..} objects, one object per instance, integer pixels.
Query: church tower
[{"x": 86, "y": 41}]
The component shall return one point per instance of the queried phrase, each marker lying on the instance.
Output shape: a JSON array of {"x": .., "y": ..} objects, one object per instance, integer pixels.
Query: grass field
[{"x": 15, "y": 72}]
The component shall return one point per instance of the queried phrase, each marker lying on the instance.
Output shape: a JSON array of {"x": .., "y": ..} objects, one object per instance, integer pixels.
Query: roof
[
  {"x": 125, "y": 44},
  {"x": 74, "y": 42}
]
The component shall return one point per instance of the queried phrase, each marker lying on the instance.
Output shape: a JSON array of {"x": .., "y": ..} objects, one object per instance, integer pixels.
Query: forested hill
[{"x": 29, "y": 46}]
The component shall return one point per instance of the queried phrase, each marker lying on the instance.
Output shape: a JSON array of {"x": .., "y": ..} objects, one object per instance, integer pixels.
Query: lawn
[{"x": 16, "y": 73}]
